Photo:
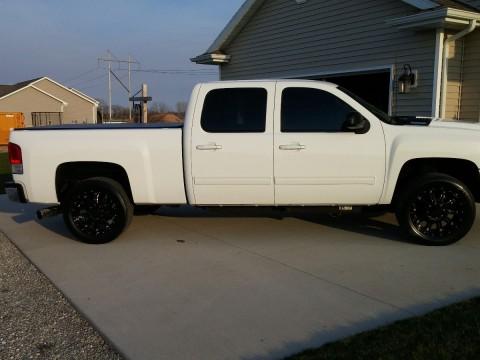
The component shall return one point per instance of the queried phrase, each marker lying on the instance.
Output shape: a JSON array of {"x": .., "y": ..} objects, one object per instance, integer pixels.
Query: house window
[
  {"x": 46, "y": 118},
  {"x": 313, "y": 110},
  {"x": 235, "y": 110}
]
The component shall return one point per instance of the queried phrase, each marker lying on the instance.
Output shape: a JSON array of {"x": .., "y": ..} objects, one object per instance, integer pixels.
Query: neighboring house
[
  {"x": 366, "y": 46},
  {"x": 44, "y": 101}
]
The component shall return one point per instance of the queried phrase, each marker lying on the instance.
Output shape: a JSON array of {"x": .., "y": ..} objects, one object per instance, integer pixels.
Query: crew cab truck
[{"x": 280, "y": 143}]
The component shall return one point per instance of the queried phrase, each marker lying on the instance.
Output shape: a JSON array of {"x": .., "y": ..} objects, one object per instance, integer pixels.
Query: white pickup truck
[{"x": 280, "y": 143}]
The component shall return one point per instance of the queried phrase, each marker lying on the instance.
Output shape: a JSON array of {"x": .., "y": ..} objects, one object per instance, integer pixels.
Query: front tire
[
  {"x": 97, "y": 210},
  {"x": 436, "y": 209}
]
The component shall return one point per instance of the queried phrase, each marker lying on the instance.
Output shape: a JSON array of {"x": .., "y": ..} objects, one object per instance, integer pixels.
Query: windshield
[{"x": 376, "y": 111}]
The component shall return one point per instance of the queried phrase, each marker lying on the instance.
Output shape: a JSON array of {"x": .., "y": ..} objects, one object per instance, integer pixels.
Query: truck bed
[
  {"x": 123, "y": 126},
  {"x": 150, "y": 154}
]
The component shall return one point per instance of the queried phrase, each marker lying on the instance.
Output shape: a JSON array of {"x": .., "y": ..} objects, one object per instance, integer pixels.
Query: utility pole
[
  {"x": 109, "y": 60},
  {"x": 129, "y": 89},
  {"x": 145, "y": 103},
  {"x": 142, "y": 102},
  {"x": 110, "y": 86}
]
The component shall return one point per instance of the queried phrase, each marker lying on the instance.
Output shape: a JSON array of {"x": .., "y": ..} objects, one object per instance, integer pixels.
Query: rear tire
[
  {"x": 97, "y": 210},
  {"x": 436, "y": 209}
]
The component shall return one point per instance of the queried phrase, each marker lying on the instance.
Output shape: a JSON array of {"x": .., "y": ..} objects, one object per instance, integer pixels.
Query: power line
[
  {"x": 176, "y": 72},
  {"x": 81, "y": 75},
  {"x": 113, "y": 59},
  {"x": 89, "y": 87},
  {"x": 120, "y": 81},
  {"x": 173, "y": 70},
  {"x": 87, "y": 81}
]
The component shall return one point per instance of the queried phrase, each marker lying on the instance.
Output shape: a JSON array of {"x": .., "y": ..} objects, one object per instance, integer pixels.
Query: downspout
[{"x": 446, "y": 50}]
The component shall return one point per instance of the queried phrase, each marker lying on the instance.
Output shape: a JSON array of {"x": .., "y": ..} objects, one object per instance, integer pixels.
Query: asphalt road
[{"x": 187, "y": 284}]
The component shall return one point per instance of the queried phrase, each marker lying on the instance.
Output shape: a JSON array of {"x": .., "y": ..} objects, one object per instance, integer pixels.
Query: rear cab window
[{"x": 235, "y": 110}]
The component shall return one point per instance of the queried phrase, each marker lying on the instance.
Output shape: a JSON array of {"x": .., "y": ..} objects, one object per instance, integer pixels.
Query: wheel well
[
  {"x": 68, "y": 174},
  {"x": 463, "y": 170}
]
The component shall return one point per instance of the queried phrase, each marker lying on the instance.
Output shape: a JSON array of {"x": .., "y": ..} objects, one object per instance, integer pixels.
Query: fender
[{"x": 406, "y": 143}]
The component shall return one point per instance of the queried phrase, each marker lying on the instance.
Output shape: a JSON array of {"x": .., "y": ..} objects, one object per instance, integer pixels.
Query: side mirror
[{"x": 356, "y": 123}]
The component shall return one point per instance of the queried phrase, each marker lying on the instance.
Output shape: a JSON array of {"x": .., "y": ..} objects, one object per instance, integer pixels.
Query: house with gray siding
[{"x": 407, "y": 57}]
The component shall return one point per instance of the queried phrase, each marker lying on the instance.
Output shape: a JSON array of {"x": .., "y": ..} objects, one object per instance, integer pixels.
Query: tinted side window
[
  {"x": 312, "y": 110},
  {"x": 235, "y": 110}
]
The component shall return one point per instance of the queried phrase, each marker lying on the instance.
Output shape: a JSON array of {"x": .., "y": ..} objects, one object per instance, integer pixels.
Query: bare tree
[
  {"x": 182, "y": 107},
  {"x": 119, "y": 112},
  {"x": 159, "y": 107}
]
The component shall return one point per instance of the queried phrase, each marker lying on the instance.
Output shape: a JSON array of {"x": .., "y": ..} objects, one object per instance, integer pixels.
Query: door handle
[
  {"x": 209, "y": 147},
  {"x": 292, "y": 147}
]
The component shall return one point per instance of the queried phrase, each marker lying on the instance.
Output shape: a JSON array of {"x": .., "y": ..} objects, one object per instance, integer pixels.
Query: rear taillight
[{"x": 15, "y": 157}]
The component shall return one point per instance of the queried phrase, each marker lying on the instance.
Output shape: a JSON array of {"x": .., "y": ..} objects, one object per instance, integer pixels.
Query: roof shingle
[
  {"x": 8, "y": 89},
  {"x": 456, "y": 4}
]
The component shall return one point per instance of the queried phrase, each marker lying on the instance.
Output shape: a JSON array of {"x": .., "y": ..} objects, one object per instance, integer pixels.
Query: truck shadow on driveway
[
  {"x": 383, "y": 226},
  {"x": 25, "y": 213},
  {"x": 361, "y": 224}
]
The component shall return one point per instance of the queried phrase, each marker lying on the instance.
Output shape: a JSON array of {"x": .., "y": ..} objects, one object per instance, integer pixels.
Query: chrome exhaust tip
[{"x": 48, "y": 212}]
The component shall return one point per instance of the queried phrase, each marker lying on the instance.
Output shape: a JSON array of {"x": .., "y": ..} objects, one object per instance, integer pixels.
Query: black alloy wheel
[
  {"x": 97, "y": 210},
  {"x": 437, "y": 210}
]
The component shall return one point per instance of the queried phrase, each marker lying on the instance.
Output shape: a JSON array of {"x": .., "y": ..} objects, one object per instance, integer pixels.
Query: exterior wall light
[{"x": 408, "y": 79}]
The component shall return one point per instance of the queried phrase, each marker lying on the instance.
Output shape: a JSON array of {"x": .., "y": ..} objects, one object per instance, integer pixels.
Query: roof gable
[
  {"x": 73, "y": 91},
  {"x": 249, "y": 8},
  {"x": 45, "y": 93},
  {"x": 35, "y": 89},
  {"x": 78, "y": 92},
  {"x": 241, "y": 17},
  {"x": 457, "y": 4},
  {"x": 422, "y": 4},
  {"x": 7, "y": 90}
]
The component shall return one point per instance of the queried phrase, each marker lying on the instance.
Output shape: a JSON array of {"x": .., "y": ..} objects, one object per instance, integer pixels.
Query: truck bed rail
[{"x": 103, "y": 127}]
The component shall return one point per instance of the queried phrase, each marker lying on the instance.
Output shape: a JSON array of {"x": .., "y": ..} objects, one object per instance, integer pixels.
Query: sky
[{"x": 62, "y": 39}]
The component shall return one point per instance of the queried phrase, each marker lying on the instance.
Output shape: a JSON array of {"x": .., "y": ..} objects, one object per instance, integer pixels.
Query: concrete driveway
[{"x": 187, "y": 284}]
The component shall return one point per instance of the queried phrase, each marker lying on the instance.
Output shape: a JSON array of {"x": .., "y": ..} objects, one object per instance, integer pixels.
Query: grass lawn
[
  {"x": 4, "y": 171},
  {"x": 449, "y": 333}
]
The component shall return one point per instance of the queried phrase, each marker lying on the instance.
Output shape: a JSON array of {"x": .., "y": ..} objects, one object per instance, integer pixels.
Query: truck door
[
  {"x": 232, "y": 145},
  {"x": 318, "y": 161}
]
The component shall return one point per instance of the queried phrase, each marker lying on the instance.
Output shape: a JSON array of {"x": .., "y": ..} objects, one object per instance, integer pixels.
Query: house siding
[
  {"x": 29, "y": 100},
  {"x": 78, "y": 110},
  {"x": 470, "y": 101},
  {"x": 454, "y": 83},
  {"x": 284, "y": 39}
]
